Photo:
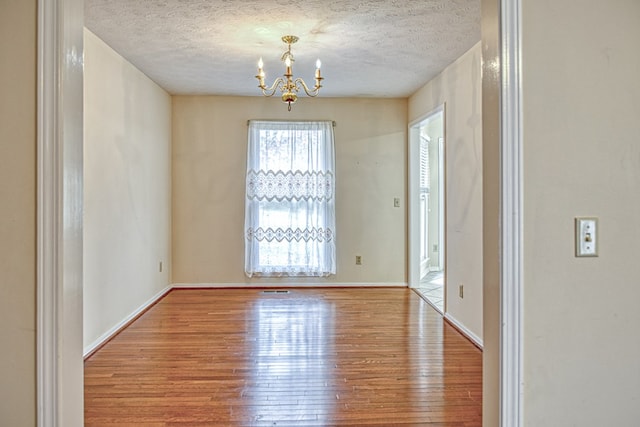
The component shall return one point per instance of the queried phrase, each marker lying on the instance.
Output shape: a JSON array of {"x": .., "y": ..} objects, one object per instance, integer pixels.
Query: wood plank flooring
[{"x": 309, "y": 357}]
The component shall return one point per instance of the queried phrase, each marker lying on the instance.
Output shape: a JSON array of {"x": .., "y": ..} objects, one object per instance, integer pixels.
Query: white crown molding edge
[
  {"x": 464, "y": 330},
  {"x": 511, "y": 286}
]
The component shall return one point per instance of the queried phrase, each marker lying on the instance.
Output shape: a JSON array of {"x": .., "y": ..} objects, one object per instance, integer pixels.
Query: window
[
  {"x": 290, "y": 203},
  {"x": 425, "y": 177}
]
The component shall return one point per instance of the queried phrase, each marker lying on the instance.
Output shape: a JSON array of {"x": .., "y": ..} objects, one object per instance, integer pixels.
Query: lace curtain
[{"x": 290, "y": 203}]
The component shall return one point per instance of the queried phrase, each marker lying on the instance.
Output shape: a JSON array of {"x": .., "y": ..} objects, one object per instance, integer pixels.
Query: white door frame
[
  {"x": 511, "y": 216},
  {"x": 59, "y": 363},
  {"x": 59, "y": 275},
  {"x": 442, "y": 203},
  {"x": 414, "y": 199}
]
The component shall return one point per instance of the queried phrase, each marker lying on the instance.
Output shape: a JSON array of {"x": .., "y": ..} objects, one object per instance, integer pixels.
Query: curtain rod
[{"x": 333, "y": 122}]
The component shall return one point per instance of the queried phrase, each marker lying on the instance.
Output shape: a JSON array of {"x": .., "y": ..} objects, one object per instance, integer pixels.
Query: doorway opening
[{"x": 427, "y": 208}]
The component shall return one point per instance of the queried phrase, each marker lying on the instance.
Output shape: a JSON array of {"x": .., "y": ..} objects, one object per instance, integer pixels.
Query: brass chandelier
[{"x": 287, "y": 84}]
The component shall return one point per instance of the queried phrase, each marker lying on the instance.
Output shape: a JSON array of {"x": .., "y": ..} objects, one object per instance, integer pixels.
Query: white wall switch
[{"x": 586, "y": 237}]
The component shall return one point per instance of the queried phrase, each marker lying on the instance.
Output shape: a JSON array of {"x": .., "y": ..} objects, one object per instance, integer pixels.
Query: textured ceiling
[{"x": 376, "y": 48}]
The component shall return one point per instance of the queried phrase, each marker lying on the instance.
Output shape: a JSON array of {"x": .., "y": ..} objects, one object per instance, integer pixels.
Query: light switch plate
[{"x": 586, "y": 237}]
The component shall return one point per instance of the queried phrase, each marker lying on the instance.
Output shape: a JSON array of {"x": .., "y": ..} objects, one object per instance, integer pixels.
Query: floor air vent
[{"x": 275, "y": 291}]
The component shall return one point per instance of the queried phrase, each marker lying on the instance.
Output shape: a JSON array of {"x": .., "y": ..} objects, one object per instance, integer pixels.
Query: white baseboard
[
  {"x": 118, "y": 327},
  {"x": 289, "y": 285},
  {"x": 463, "y": 329}
]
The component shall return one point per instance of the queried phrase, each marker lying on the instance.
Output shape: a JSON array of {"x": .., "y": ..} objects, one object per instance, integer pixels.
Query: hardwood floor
[{"x": 310, "y": 357}]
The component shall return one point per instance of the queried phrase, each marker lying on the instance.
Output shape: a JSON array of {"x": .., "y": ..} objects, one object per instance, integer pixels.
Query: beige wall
[
  {"x": 581, "y": 62},
  {"x": 209, "y": 155},
  {"x": 127, "y": 189},
  {"x": 459, "y": 88},
  {"x": 18, "y": 25}
]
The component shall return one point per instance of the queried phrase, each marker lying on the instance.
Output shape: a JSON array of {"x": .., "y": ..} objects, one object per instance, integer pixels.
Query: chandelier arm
[
  {"x": 309, "y": 92},
  {"x": 269, "y": 91},
  {"x": 286, "y": 83}
]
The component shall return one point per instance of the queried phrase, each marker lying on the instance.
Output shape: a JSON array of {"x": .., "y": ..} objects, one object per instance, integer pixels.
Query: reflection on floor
[
  {"x": 308, "y": 357},
  {"x": 432, "y": 288}
]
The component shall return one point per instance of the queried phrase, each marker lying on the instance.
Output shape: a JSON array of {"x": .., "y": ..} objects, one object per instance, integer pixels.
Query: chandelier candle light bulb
[
  {"x": 260, "y": 75},
  {"x": 287, "y": 84},
  {"x": 288, "y": 73}
]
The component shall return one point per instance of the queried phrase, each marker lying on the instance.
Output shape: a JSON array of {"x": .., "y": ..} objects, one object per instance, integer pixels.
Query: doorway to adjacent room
[{"x": 427, "y": 205}]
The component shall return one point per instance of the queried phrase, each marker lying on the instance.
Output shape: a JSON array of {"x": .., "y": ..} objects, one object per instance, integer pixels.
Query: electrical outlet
[
  {"x": 586, "y": 237},
  {"x": 358, "y": 260},
  {"x": 461, "y": 291},
  {"x": 396, "y": 202},
  {"x": 160, "y": 267}
]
